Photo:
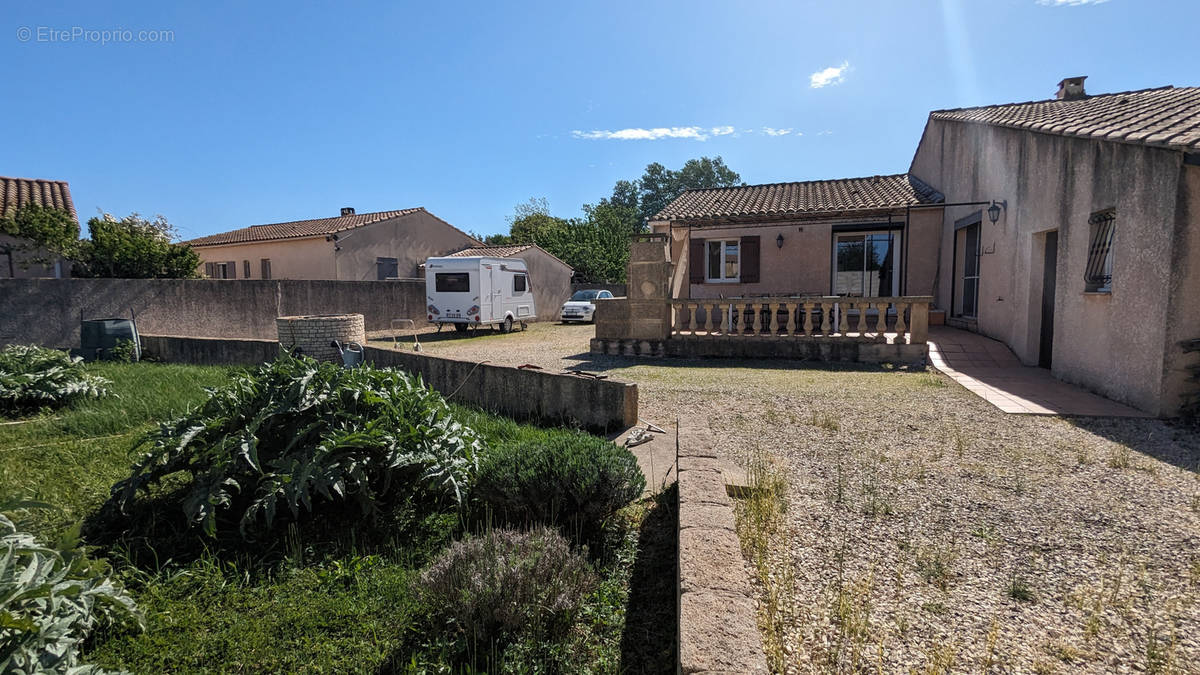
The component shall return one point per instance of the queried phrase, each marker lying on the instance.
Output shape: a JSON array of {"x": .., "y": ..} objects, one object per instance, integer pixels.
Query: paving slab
[{"x": 989, "y": 369}]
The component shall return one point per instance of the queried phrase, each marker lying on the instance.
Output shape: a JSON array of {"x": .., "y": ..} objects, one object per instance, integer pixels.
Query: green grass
[{"x": 334, "y": 596}]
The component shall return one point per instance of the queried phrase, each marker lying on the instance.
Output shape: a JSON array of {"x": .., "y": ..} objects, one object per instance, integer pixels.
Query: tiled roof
[
  {"x": 817, "y": 196},
  {"x": 1167, "y": 117},
  {"x": 490, "y": 251},
  {"x": 502, "y": 252},
  {"x": 298, "y": 228},
  {"x": 17, "y": 192}
]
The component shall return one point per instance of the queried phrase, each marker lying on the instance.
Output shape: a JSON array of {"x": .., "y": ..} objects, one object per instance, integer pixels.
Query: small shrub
[
  {"x": 50, "y": 601},
  {"x": 571, "y": 482},
  {"x": 125, "y": 351},
  {"x": 35, "y": 377},
  {"x": 503, "y": 586},
  {"x": 295, "y": 433},
  {"x": 1018, "y": 589}
]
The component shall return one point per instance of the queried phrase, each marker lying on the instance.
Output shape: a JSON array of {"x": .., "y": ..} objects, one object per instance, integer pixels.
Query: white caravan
[{"x": 478, "y": 291}]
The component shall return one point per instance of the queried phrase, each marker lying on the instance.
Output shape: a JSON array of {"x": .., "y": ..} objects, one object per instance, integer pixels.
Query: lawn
[{"x": 327, "y": 595}]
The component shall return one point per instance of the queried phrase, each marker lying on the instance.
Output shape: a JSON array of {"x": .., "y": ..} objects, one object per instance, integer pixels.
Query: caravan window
[
  {"x": 518, "y": 283},
  {"x": 452, "y": 282}
]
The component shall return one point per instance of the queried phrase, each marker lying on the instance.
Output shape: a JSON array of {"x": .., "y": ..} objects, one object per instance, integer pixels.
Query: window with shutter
[
  {"x": 210, "y": 270},
  {"x": 231, "y": 269},
  {"x": 266, "y": 268},
  {"x": 245, "y": 269}
]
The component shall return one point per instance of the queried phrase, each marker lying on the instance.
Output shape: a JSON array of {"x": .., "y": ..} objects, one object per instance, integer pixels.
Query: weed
[
  {"x": 960, "y": 444},
  {"x": 1120, "y": 456},
  {"x": 1042, "y": 667},
  {"x": 1063, "y": 652},
  {"x": 1018, "y": 589},
  {"x": 936, "y": 607},
  {"x": 935, "y": 564},
  {"x": 989, "y": 650},
  {"x": 760, "y": 517},
  {"x": 826, "y": 421},
  {"x": 940, "y": 660},
  {"x": 1196, "y": 502},
  {"x": 851, "y": 616},
  {"x": 988, "y": 533},
  {"x": 1160, "y": 655}
]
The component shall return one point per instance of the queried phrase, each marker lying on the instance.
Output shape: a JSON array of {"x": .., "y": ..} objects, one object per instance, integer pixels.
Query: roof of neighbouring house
[
  {"x": 1166, "y": 117},
  {"x": 298, "y": 229},
  {"x": 502, "y": 252},
  {"x": 809, "y": 197},
  {"x": 17, "y": 192}
]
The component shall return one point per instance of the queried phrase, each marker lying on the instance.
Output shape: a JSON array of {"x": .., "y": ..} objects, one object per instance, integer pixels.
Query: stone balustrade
[{"x": 898, "y": 320}]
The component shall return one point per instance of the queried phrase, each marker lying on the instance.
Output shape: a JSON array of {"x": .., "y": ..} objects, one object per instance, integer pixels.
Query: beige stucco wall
[
  {"x": 20, "y": 267},
  {"x": 803, "y": 266},
  {"x": 551, "y": 282},
  {"x": 410, "y": 239},
  {"x": 1183, "y": 317},
  {"x": 1110, "y": 343}
]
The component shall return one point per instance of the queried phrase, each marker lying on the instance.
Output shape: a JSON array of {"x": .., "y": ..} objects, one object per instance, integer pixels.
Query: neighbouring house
[
  {"x": 15, "y": 193},
  {"x": 1068, "y": 228},
  {"x": 549, "y": 277},
  {"x": 350, "y": 247},
  {"x": 1092, "y": 266}
]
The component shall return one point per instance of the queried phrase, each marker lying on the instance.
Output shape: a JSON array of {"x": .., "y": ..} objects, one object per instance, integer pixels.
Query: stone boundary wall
[
  {"x": 618, "y": 290},
  {"x": 47, "y": 311},
  {"x": 525, "y": 394},
  {"x": 718, "y": 620}
]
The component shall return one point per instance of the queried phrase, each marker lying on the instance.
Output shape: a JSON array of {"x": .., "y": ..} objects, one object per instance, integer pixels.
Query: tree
[
  {"x": 659, "y": 185},
  {"x": 42, "y": 233},
  {"x": 135, "y": 248}
]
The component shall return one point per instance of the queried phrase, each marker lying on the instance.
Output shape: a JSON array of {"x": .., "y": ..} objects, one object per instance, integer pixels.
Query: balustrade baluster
[
  {"x": 881, "y": 322},
  {"x": 844, "y": 318},
  {"x": 901, "y": 326},
  {"x": 808, "y": 326},
  {"x": 691, "y": 310},
  {"x": 791, "y": 318},
  {"x": 726, "y": 319},
  {"x": 773, "y": 307},
  {"x": 862, "y": 318},
  {"x": 826, "y": 317},
  {"x": 709, "y": 308}
]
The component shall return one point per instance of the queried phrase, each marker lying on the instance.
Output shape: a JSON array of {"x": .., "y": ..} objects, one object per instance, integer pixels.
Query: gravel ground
[{"x": 929, "y": 532}]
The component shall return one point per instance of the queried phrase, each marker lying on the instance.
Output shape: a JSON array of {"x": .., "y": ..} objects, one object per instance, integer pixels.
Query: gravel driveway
[{"x": 927, "y": 530}]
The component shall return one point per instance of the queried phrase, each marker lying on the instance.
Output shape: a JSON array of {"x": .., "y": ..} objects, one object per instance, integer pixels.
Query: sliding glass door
[{"x": 866, "y": 264}]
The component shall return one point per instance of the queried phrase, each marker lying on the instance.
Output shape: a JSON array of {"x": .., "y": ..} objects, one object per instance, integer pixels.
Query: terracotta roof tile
[
  {"x": 502, "y": 252},
  {"x": 16, "y": 192},
  {"x": 818, "y": 196},
  {"x": 1165, "y": 117},
  {"x": 299, "y": 228}
]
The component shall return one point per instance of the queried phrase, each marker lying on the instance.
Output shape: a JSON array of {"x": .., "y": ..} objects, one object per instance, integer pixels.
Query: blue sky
[{"x": 258, "y": 112}]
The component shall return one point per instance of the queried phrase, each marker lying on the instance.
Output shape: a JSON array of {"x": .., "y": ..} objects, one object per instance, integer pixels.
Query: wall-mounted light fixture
[
  {"x": 779, "y": 241},
  {"x": 994, "y": 210}
]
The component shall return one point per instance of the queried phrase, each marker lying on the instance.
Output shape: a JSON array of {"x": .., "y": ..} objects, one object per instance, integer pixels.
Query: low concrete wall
[
  {"x": 47, "y": 311},
  {"x": 208, "y": 351},
  {"x": 718, "y": 621},
  {"x": 548, "y": 398}
]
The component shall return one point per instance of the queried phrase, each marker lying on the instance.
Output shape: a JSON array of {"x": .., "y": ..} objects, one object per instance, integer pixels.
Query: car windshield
[{"x": 584, "y": 295}]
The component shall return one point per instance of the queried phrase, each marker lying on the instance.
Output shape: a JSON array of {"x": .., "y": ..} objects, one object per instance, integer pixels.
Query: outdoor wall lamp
[
  {"x": 779, "y": 241},
  {"x": 994, "y": 210}
]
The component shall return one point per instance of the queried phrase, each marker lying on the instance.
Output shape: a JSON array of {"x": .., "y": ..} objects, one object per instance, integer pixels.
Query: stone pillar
[{"x": 648, "y": 278}]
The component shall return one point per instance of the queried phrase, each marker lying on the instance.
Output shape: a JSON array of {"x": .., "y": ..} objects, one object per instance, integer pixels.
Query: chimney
[
  {"x": 1071, "y": 89},
  {"x": 347, "y": 210}
]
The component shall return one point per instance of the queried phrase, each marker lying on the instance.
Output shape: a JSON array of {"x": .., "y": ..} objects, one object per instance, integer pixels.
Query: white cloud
[
  {"x": 639, "y": 134},
  {"x": 1069, "y": 3},
  {"x": 831, "y": 75},
  {"x": 777, "y": 132},
  {"x": 825, "y": 133}
]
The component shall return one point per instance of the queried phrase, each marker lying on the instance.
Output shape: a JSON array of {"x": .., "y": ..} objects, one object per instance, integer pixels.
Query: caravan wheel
[{"x": 507, "y": 324}]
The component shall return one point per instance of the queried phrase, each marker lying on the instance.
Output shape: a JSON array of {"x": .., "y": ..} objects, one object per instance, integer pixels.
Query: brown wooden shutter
[
  {"x": 208, "y": 270},
  {"x": 232, "y": 268},
  {"x": 750, "y": 258},
  {"x": 696, "y": 261}
]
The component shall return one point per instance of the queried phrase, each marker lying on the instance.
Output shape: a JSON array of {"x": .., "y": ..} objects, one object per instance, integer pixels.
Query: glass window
[
  {"x": 387, "y": 268},
  {"x": 518, "y": 283},
  {"x": 266, "y": 268},
  {"x": 724, "y": 260},
  {"x": 585, "y": 295},
  {"x": 1098, "y": 276},
  {"x": 452, "y": 282},
  {"x": 865, "y": 265}
]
